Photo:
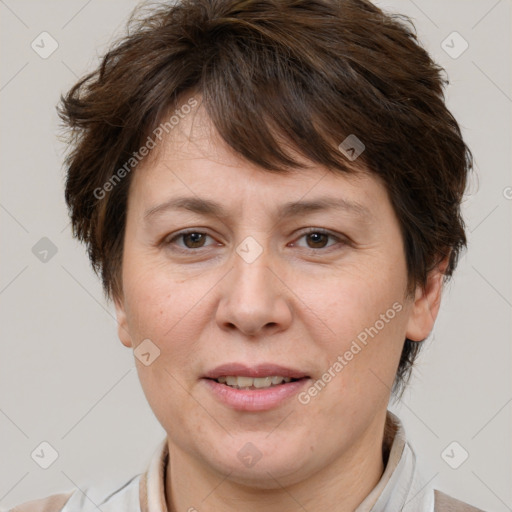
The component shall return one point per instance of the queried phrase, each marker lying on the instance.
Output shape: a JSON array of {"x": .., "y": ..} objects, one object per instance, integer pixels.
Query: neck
[{"x": 339, "y": 486}]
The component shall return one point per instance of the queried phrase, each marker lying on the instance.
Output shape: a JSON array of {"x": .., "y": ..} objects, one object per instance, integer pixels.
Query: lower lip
[{"x": 255, "y": 399}]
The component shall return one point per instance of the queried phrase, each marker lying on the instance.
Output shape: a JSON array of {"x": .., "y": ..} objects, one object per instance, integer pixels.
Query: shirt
[{"x": 401, "y": 488}]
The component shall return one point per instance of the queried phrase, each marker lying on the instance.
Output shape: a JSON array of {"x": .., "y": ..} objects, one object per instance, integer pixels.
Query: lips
[
  {"x": 254, "y": 398},
  {"x": 254, "y": 371}
]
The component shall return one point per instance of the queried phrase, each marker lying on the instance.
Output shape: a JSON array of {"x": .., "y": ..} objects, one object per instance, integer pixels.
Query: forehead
[{"x": 194, "y": 169}]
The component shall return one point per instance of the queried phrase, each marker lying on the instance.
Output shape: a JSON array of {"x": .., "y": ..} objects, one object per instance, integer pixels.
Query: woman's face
[{"x": 300, "y": 276}]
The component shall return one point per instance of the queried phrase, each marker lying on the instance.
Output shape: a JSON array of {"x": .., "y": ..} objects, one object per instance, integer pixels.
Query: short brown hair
[{"x": 311, "y": 72}]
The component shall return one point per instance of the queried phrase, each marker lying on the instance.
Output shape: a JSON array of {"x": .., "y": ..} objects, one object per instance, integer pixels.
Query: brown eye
[
  {"x": 193, "y": 240},
  {"x": 318, "y": 240},
  {"x": 188, "y": 241}
]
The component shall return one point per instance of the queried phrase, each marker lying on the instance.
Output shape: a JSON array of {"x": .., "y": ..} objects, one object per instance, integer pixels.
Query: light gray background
[{"x": 66, "y": 379}]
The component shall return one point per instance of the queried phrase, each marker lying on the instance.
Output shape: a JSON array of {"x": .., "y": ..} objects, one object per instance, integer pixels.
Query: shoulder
[
  {"x": 92, "y": 498},
  {"x": 445, "y": 503}
]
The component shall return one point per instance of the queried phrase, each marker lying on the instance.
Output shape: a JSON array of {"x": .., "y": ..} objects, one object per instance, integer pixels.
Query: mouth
[
  {"x": 255, "y": 388},
  {"x": 259, "y": 376},
  {"x": 251, "y": 383}
]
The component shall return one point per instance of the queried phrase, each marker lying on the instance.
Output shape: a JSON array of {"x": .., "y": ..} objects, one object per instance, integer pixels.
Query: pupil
[
  {"x": 194, "y": 237},
  {"x": 318, "y": 237}
]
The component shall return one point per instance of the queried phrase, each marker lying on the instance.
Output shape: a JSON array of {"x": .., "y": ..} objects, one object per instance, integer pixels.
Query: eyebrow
[{"x": 291, "y": 209}]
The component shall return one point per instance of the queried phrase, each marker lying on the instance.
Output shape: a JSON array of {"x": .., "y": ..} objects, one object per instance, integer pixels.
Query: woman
[{"x": 271, "y": 194}]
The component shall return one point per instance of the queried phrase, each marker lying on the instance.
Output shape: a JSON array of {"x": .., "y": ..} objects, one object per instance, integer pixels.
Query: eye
[
  {"x": 195, "y": 239},
  {"x": 192, "y": 239},
  {"x": 318, "y": 239}
]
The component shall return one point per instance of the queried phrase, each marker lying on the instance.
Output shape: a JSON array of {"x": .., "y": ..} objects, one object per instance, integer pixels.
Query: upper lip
[{"x": 259, "y": 370}]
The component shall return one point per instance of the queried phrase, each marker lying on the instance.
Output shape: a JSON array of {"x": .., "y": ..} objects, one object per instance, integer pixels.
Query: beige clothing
[{"x": 400, "y": 489}]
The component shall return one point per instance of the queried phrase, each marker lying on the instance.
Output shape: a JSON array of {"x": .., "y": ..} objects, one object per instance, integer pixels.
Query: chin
[{"x": 262, "y": 465}]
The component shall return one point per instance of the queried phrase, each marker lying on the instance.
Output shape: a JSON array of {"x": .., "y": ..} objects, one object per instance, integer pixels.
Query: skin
[{"x": 300, "y": 304}]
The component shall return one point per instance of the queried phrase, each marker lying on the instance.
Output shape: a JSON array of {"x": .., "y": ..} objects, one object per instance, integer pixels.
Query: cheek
[
  {"x": 352, "y": 301},
  {"x": 170, "y": 311},
  {"x": 156, "y": 299},
  {"x": 164, "y": 312},
  {"x": 366, "y": 317}
]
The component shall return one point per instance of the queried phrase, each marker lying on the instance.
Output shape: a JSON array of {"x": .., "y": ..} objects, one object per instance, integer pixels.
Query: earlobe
[
  {"x": 122, "y": 324},
  {"x": 426, "y": 304}
]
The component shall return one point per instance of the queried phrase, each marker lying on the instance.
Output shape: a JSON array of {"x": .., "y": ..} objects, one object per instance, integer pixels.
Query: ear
[
  {"x": 427, "y": 300},
  {"x": 122, "y": 325}
]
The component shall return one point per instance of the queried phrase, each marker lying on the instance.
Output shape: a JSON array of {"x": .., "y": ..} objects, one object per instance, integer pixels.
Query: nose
[{"x": 254, "y": 299}]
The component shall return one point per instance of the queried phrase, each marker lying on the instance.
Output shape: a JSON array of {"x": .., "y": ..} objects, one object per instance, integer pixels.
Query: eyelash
[{"x": 304, "y": 234}]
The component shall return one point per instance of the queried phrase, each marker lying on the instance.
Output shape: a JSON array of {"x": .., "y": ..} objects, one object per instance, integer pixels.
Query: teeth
[
  {"x": 264, "y": 382},
  {"x": 241, "y": 382}
]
